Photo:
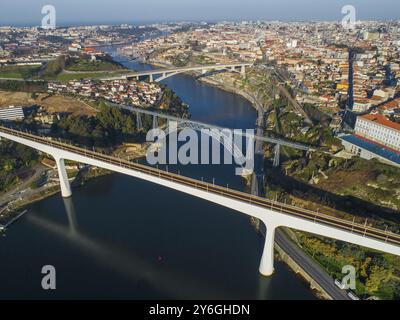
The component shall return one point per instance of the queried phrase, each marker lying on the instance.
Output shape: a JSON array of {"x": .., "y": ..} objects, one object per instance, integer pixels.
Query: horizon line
[{"x": 66, "y": 24}]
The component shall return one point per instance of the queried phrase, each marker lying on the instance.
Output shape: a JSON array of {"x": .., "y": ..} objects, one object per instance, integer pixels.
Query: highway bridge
[
  {"x": 272, "y": 213},
  {"x": 166, "y": 73},
  {"x": 198, "y": 126}
]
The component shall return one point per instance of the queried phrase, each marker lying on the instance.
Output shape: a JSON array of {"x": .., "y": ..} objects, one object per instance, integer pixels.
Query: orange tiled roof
[
  {"x": 391, "y": 104},
  {"x": 382, "y": 120}
]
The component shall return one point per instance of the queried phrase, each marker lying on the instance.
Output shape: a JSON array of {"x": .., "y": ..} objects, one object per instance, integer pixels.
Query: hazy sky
[{"x": 135, "y": 11}]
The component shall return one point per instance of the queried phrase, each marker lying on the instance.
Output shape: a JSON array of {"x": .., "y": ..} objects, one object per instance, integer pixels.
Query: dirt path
[{"x": 56, "y": 103}]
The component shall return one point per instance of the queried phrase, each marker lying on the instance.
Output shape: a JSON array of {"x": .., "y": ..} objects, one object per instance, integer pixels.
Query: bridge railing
[
  {"x": 202, "y": 125},
  {"x": 351, "y": 226}
]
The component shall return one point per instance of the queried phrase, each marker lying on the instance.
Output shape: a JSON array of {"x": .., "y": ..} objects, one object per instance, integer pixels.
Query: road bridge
[
  {"x": 166, "y": 73},
  {"x": 198, "y": 126},
  {"x": 272, "y": 213}
]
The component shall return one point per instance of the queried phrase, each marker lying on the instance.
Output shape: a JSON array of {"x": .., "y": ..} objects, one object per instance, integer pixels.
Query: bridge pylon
[
  {"x": 63, "y": 177},
  {"x": 155, "y": 122},
  {"x": 243, "y": 70},
  {"x": 71, "y": 215},
  {"x": 138, "y": 121},
  {"x": 267, "y": 259},
  {"x": 277, "y": 155}
]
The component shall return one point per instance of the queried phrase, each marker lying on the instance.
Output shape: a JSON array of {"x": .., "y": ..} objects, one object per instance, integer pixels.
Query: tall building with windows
[
  {"x": 375, "y": 137},
  {"x": 378, "y": 128}
]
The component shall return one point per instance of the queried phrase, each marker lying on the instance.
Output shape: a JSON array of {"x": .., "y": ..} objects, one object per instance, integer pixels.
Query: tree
[{"x": 378, "y": 275}]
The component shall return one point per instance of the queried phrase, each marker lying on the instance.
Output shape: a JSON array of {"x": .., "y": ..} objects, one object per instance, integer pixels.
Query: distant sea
[{"x": 94, "y": 23}]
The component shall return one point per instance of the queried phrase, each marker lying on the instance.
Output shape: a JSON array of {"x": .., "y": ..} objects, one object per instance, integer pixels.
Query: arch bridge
[
  {"x": 158, "y": 75},
  {"x": 272, "y": 213}
]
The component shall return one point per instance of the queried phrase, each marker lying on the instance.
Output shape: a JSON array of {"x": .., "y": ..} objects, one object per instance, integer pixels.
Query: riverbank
[
  {"x": 36, "y": 197},
  {"x": 282, "y": 255},
  {"x": 286, "y": 245},
  {"x": 218, "y": 84},
  {"x": 317, "y": 289},
  {"x": 115, "y": 211},
  {"x": 135, "y": 152}
]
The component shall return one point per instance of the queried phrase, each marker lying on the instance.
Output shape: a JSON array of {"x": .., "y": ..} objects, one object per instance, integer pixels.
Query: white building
[
  {"x": 369, "y": 150},
  {"x": 361, "y": 105},
  {"x": 378, "y": 128},
  {"x": 12, "y": 113}
]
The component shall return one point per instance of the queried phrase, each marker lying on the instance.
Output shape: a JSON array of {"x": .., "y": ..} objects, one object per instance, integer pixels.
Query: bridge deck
[
  {"x": 183, "y": 69},
  {"x": 342, "y": 224},
  {"x": 202, "y": 125},
  {"x": 176, "y": 70}
]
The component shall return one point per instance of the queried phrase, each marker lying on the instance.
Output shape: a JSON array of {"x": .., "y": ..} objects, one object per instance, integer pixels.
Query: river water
[{"x": 119, "y": 237}]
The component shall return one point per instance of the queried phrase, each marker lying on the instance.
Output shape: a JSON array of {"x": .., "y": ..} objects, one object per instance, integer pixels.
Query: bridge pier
[
  {"x": 63, "y": 177},
  {"x": 267, "y": 259},
  {"x": 243, "y": 70},
  {"x": 138, "y": 121},
  {"x": 155, "y": 122},
  {"x": 151, "y": 78},
  {"x": 276, "y": 161}
]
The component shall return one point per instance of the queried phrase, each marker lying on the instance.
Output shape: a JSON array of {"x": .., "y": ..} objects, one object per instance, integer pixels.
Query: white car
[{"x": 340, "y": 284}]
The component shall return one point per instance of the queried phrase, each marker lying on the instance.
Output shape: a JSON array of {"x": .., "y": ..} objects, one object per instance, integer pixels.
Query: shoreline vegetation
[
  {"x": 317, "y": 290},
  {"x": 79, "y": 178},
  {"x": 378, "y": 271},
  {"x": 372, "y": 275}
]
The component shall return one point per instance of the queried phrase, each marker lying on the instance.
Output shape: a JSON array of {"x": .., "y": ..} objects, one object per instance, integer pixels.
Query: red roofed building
[
  {"x": 378, "y": 128},
  {"x": 89, "y": 50},
  {"x": 390, "y": 106}
]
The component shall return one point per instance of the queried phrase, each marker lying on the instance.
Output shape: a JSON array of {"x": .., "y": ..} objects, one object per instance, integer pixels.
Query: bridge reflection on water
[{"x": 131, "y": 266}]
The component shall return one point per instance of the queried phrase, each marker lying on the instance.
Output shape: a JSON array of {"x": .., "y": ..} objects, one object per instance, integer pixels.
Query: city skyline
[
  {"x": 22, "y": 12},
  {"x": 176, "y": 149}
]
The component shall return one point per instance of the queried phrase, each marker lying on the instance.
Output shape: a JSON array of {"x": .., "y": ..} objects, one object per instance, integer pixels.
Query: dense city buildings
[
  {"x": 324, "y": 101},
  {"x": 326, "y": 66},
  {"x": 118, "y": 91},
  {"x": 11, "y": 113},
  {"x": 378, "y": 128}
]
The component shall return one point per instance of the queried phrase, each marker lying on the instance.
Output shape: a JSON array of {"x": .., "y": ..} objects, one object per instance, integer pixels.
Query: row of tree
[
  {"x": 375, "y": 274},
  {"x": 111, "y": 126},
  {"x": 23, "y": 86}
]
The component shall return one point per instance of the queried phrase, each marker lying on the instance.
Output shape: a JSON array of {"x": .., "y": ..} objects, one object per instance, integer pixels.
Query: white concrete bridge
[
  {"x": 272, "y": 213},
  {"x": 166, "y": 73}
]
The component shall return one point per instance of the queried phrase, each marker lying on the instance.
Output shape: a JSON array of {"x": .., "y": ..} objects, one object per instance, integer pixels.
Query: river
[{"x": 122, "y": 238}]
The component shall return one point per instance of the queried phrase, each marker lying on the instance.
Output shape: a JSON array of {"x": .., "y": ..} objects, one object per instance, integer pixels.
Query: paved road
[
  {"x": 21, "y": 80},
  {"x": 294, "y": 103},
  {"x": 178, "y": 70},
  {"x": 310, "y": 266},
  {"x": 281, "y": 239},
  {"x": 277, "y": 74},
  {"x": 21, "y": 189}
]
